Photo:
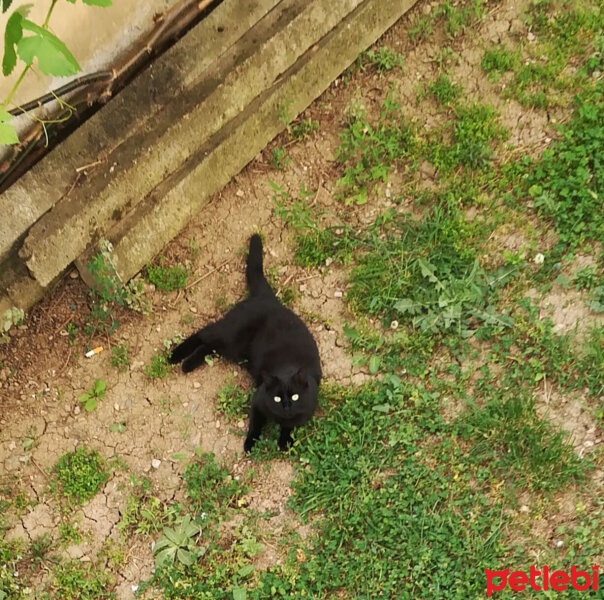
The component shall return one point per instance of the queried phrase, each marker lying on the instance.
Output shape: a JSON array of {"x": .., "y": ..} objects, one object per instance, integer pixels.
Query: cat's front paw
[
  {"x": 285, "y": 442},
  {"x": 248, "y": 444}
]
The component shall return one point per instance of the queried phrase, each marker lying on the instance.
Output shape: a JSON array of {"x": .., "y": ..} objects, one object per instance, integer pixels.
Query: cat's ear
[
  {"x": 300, "y": 378},
  {"x": 268, "y": 379}
]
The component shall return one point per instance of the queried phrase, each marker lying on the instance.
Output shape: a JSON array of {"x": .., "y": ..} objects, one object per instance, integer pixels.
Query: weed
[
  {"x": 444, "y": 90},
  {"x": 369, "y": 152},
  {"x": 79, "y": 475},
  {"x": 279, "y": 158},
  {"x": 566, "y": 184},
  {"x": 232, "y": 401},
  {"x": 499, "y": 59},
  {"x": 74, "y": 580},
  {"x": 40, "y": 548},
  {"x": 591, "y": 363},
  {"x": 474, "y": 132},
  {"x": 167, "y": 278},
  {"x": 91, "y": 398},
  {"x": 119, "y": 357},
  {"x": 159, "y": 367},
  {"x": 69, "y": 534},
  {"x": 383, "y": 59},
  {"x": 12, "y": 585},
  {"x": 72, "y": 332},
  {"x": 303, "y": 129},
  {"x": 108, "y": 292},
  {"x": 179, "y": 544},
  {"x": 210, "y": 487}
]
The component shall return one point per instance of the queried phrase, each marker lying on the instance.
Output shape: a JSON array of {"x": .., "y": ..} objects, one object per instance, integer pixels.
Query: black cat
[{"x": 277, "y": 348}]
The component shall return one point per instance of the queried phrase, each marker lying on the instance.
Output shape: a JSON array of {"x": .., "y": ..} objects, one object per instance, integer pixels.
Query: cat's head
[{"x": 289, "y": 395}]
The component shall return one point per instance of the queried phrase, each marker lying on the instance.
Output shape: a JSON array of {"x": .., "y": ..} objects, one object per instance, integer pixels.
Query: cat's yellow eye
[
  {"x": 295, "y": 397},
  {"x": 277, "y": 398}
]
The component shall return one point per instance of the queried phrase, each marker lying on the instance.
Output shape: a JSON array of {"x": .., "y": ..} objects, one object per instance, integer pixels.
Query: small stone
[
  {"x": 531, "y": 36},
  {"x": 328, "y": 261},
  {"x": 240, "y": 193},
  {"x": 116, "y": 407},
  {"x": 240, "y": 424},
  {"x": 303, "y": 287},
  {"x": 128, "y": 403},
  {"x": 76, "y": 410},
  {"x": 74, "y": 274},
  {"x": 155, "y": 463},
  {"x": 85, "y": 559},
  {"x": 12, "y": 446},
  {"x": 217, "y": 424},
  {"x": 134, "y": 588},
  {"x": 192, "y": 309},
  {"x": 524, "y": 508},
  {"x": 338, "y": 294},
  {"x": 196, "y": 385},
  {"x": 559, "y": 544}
]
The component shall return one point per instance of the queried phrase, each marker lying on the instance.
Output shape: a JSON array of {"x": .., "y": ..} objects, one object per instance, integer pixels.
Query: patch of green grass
[
  {"x": 159, "y": 368},
  {"x": 368, "y": 152},
  {"x": 567, "y": 183},
  {"x": 303, "y": 129},
  {"x": 167, "y": 278},
  {"x": 232, "y": 401},
  {"x": 109, "y": 292},
  {"x": 509, "y": 436},
  {"x": 315, "y": 245},
  {"x": 474, "y": 134},
  {"x": 74, "y": 580},
  {"x": 69, "y": 534},
  {"x": 119, "y": 357},
  {"x": 444, "y": 90},
  {"x": 12, "y": 584},
  {"x": 279, "y": 158},
  {"x": 591, "y": 362},
  {"x": 383, "y": 59},
  {"x": 210, "y": 487},
  {"x": 79, "y": 475},
  {"x": 499, "y": 59}
]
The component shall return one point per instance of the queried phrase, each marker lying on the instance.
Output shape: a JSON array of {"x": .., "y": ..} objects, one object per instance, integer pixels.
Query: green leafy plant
[
  {"x": 168, "y": 278},
  {"x": 179, "y": 544},
  {"x": 232, "y": 401},
  {"x": 120, "y": 357},
  {"x": 159, "y": 367},
  {"x": 383, "y": 59},
  {"x": 90, "y": 399},
  {"x": 33, "y": 43},
  {"x": 75, "y": 580},
  {"x": 210, "y": 487},
  {"x": 279, "y": 158},
  {"x": 79, "y": 475},
  {"x": 303, "y": 129},
  {"x": 109, "y": 292},
  {"x": 444, "y": 90},
  {"x": 11, "y": 317}
]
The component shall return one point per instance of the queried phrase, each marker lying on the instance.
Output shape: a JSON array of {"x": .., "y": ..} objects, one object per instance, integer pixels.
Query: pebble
[
  {"x": 531, "y": 36},
  {"x": 116, "y": 406},
  {"x": 240, "y": 424},
  {"x": 328, "y": 261},
  {"x": 12, "y": 446},
  {"x": 559, "y": 544},
  {"x": 128, "y": 403},
  {"x": 76, "y": 410},
  {"x": 338, "y": 294},
  {"x": 74, "y": 274},
  {"x": 196, "y": 385},
  {"x": 524, "y": 508},
  {"x": 155, "y": 463},
  {"x": 240, "y": 193},
  {"x": 217, "y": 424},
  {"x": 303, "y": 287}
]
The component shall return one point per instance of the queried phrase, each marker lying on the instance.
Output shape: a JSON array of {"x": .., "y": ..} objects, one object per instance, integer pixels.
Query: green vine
[{"x": 28, "y": 42}]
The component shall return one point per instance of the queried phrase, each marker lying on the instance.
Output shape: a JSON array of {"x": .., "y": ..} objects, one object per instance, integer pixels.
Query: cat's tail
[{"x": 256, "y": 282}]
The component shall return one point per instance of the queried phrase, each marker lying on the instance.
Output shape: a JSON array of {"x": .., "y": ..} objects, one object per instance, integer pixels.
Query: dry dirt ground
[{"x": 42, "y": 375}]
